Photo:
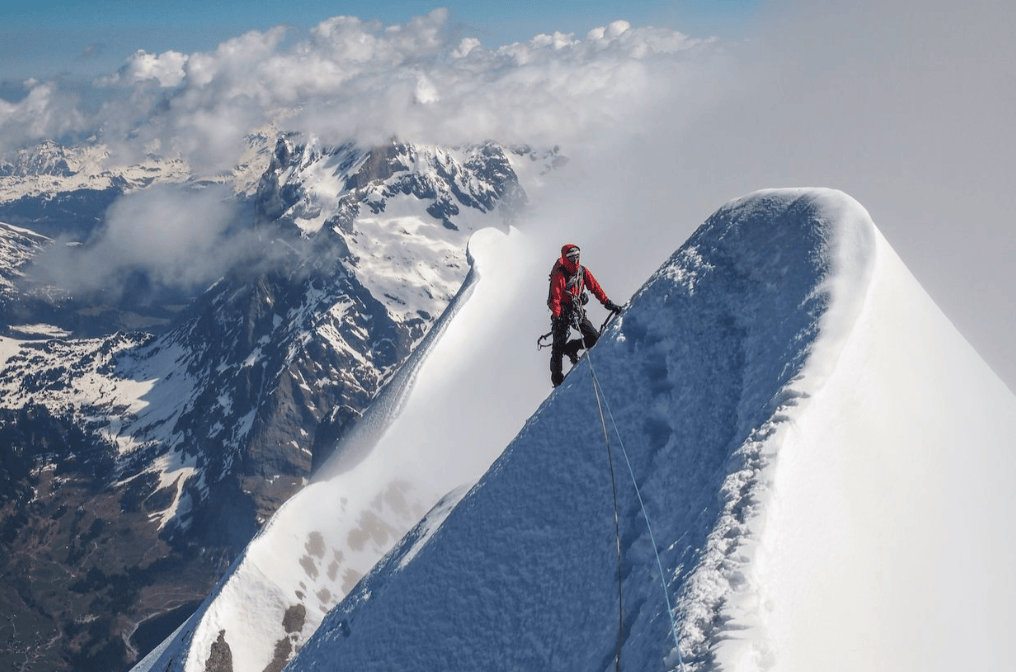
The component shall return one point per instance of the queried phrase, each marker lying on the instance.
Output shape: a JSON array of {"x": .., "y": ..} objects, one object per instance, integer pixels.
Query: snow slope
[
  {"x": 820, "y": 453},
  {"x": 411, "y": 448}
]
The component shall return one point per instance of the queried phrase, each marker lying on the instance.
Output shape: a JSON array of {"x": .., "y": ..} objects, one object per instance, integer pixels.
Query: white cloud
[
  {"x": 349, "y": 78},
  {"x": 167, "y": 68},
  {"x": 46, "y": 112},
  {"x": 177, "y": 237},
  {"x": 353, "y": 78}
]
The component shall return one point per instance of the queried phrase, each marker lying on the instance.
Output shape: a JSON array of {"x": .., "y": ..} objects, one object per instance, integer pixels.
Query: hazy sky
[{"x": 905, "y": 106}]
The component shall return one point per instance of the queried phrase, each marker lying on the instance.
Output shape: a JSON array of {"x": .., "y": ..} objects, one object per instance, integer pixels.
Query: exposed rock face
[{"x": 138, "y": 463}]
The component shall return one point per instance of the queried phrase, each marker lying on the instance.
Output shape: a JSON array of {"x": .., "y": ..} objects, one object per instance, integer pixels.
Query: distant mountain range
[{"x": 148, "y": 434}]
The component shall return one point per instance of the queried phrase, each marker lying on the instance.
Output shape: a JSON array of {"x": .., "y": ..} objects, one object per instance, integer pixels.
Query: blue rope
[{"x": 659, "y": 563}]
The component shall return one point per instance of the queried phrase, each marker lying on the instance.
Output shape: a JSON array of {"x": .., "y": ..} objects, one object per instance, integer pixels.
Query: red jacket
[{"x": 561, "y": 293}]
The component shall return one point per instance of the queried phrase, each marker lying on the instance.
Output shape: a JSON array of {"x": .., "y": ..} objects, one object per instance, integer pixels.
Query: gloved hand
[{"x": 612, "y": 307}]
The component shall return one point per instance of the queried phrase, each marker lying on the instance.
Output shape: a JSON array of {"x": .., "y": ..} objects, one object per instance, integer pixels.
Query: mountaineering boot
[{"x": 572, "y": 350}]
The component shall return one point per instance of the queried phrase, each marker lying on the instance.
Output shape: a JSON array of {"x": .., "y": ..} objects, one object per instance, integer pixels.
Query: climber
[{"x": 569, "y": 281}]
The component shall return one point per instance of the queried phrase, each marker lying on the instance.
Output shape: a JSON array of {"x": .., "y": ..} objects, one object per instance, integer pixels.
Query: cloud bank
[
  {"x": 350, "y": 78},
  {"x": 165, "y": 236}
]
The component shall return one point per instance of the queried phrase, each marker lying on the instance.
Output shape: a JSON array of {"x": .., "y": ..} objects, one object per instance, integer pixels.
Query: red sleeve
[
  {"x": 595, "y": 288},
  {"x": 558, "y": 286}
]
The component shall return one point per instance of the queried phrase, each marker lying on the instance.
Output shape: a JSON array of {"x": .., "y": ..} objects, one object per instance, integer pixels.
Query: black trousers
[{"x": 562, "y": 346}]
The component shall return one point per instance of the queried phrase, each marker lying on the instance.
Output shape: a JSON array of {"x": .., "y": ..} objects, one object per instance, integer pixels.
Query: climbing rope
[
  {"x": 600, "y": 404},
  {"x": 617, "y": 530}
]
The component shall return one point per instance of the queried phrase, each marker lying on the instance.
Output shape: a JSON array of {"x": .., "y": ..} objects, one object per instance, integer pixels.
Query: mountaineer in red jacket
[{"x": 568, "y": 282}]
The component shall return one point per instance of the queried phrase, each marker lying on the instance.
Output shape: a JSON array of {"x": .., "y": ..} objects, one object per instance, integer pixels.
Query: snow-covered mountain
[
  {"x": 823, "y": 460},
  {"x": 193, "y": 434},
  {"x": 17, "y": 247},
  {"x": 54, "y": 189},
  {"x": 49, "y": 170}
]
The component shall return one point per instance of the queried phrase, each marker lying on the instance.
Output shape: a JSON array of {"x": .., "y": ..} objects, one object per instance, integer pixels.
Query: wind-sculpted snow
[
  {"x": 325, "y": 538},
  {"x": 713, "y": 372}
]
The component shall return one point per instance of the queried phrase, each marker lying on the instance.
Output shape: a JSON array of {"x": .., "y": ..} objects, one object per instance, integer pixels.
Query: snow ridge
[
  {"x": 702, "y": 373},
  {"x": 834, "y": 236},
  {"x": 372, "y": 508}
]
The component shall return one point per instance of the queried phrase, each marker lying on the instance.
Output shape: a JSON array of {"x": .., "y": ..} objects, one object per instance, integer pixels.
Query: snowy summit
[{"x": 823, "y": 461}]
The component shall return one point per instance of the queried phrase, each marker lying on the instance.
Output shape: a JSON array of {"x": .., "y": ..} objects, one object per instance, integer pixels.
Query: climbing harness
[
  {"x": 601, "y": 403},
  {"x": 540, "y": 345}
]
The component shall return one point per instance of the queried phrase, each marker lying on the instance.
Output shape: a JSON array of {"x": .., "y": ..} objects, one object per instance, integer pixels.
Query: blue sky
[{"x": 48, "y": 38}]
